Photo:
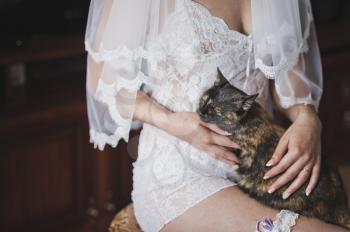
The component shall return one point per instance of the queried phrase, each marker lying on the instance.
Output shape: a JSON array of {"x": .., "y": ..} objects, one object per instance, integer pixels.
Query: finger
[
  {"x": 231, "y": 156},
  {"x": 289, "y": 175},
  {"x": 302, "y": 177},
  {"x": 225, "y": 156},
  {"x": 280, "y": 151},
  {"x": 215, "y": 128},
  {"x": 223, "y": 141},
  {"x": 289, "y": 159},
  {"x": 314, "y": 176}
]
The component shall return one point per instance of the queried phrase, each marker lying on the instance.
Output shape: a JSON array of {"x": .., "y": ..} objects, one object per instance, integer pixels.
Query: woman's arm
[
  {"x": 292, "y": 112},
  {"x": 186, "y": 126},
  {"x": 298, "y": 154},
  {"x": 149, "y": 111}
]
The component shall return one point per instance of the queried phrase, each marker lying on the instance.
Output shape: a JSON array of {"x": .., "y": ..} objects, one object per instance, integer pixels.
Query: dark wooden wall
[{"x": 51, "y": 178}]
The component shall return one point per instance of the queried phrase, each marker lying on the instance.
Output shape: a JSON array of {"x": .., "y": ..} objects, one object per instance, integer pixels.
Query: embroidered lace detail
[{"x": 213, "y": 32}]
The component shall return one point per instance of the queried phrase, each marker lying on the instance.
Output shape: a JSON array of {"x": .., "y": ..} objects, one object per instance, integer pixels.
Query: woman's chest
[
  {"x": 193, "y": 45},
  {"x": 192, "y": 34}
]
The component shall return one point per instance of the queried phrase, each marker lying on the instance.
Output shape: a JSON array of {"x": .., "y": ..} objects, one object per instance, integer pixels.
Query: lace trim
[
  {"x": 271, "y": 72},
  {"x": 287, "y": 102},
  {"x": 122, "y": 51},
  {"x": 285, "y": 221},
  {"x": 100, "y": 139},
  {"x": 106, "y": 93},
  {"x": 107, "y": 55}
]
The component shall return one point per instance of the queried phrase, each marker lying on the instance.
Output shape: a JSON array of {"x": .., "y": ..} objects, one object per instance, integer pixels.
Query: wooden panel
[
  {"x": 335, "y": 106},
  {"x": 40, "y": 180}
]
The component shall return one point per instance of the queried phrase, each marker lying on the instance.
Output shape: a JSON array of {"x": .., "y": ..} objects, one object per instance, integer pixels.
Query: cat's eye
[{"x": 240, "y": 112}]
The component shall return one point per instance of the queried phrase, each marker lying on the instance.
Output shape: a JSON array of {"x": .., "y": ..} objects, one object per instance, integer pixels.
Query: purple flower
[{"x": 266, "y": 224}]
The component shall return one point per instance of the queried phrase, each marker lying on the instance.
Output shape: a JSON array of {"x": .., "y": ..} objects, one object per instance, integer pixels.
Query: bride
[{"x": 149, "y": 61}]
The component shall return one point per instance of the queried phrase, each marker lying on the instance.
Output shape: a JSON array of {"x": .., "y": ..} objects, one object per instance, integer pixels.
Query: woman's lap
[{"x": 231, "y": 210}]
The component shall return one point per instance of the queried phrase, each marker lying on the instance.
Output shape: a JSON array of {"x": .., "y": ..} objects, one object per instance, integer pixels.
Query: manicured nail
[
  {"x": 285, "y": 195},
  {"x": 266, "y": 177},
  {"x": 268, "y": 164},
  {"x": 307, "y": 193},
  {"x": 271, "y": 190},
  {"x": 227, "y": 133}
]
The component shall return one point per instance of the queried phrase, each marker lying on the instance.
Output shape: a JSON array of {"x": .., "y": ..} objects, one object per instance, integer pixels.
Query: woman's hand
[
  {"x": 298, "y": 154},
  {"x": 208, "y": 137}
]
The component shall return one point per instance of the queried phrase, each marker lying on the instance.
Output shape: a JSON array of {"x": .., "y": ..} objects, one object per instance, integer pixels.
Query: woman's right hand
[{"x": 205, "y": 136}]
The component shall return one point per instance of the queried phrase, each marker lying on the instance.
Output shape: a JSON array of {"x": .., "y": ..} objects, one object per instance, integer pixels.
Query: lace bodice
[{"x": 193, "y": 45}]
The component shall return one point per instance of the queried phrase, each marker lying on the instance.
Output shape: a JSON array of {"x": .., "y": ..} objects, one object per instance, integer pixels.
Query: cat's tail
[{"x": 343, "y": 218}]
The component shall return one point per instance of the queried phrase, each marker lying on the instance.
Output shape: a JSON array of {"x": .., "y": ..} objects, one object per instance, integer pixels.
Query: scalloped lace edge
[
  {"x": 100, "y": 139},
  {"x": 106, "y": 93},
  {"x": 122, "y": 51}
]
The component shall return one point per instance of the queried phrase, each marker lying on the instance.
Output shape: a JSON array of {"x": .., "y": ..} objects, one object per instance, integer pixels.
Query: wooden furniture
[{"x": 51, "y": 177}]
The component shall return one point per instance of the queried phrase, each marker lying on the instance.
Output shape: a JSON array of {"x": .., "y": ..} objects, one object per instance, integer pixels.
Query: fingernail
[
  {"x": 227, "y": 133},
  {"x": 285, "y": 195},
  {"x": 268, "y": 164},
  {"x": 266, "y": 177},
  {"x": 307, "y": 193},
  {"x": 271, "y": 190}
]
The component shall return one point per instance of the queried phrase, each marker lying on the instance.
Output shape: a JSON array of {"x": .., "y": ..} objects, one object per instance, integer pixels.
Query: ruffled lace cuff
[{"x": 113, "y": 80}]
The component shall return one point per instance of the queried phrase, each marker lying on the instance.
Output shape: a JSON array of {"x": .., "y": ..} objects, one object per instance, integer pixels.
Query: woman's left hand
[{"x": 298, "y": 155}]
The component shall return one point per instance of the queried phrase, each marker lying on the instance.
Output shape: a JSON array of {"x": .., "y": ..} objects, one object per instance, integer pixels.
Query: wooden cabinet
[
  {"x": 335, "y": 107},
  {"x": 51, "y": 177}
]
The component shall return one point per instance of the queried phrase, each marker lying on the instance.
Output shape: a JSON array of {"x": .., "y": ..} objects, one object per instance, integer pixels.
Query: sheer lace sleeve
[
  {"x": 286, "y": 50},
  {"x": 117, "y": 37}
]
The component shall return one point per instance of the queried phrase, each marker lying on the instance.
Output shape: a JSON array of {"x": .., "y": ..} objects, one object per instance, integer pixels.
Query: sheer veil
[
  {"x": 286, "y": 49},
  {"x": 117, "y": 36},
  {"x": 119, "y": 32}
]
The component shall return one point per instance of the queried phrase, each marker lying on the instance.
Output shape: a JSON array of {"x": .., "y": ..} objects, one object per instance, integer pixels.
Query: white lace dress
[{"x": 170, "y": 175}]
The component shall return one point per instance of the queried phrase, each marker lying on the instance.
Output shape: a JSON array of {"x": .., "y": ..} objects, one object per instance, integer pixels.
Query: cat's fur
[{"x": 236, "y": 112}]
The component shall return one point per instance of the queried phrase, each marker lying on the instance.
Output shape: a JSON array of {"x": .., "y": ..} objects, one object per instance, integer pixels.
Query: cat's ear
[
  {"x": 221, "y": 79},
  {"x": 248, "y": 101}
]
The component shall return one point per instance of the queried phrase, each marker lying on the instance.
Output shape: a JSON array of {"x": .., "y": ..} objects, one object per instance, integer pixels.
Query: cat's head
[{"x": 224, "y": 103}]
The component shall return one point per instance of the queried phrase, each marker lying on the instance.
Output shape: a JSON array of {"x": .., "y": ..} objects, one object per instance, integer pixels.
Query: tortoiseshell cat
[{"x": 236, "y": 112}]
